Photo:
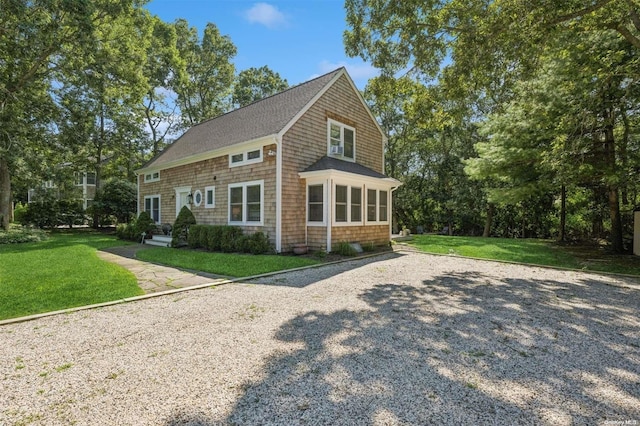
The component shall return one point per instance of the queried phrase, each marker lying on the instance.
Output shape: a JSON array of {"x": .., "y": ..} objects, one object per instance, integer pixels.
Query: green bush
[
  {"x": 344, "y": 249},
  {"x": 257, "y": 243},
  {"x": 20, "y": 234},
  {"x": 144, "y": 223},
  {"x": 212, "y": 238},
  {"x": 181, "y": 227},
  {"x": 194, "y": 238},
  {"x": 229, "y": 239},
  {"x": 20, "y": 212}
]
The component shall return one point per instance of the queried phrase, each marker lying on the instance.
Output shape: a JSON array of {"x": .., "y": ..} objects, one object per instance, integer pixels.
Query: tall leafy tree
[
  {"x": 32, "y": 35},
  {"x": 102, "y": 93},
  {"x": 163, "y": 66},
  {"x": 254, "y": 84},
  {"x": 204, "y": 91}
]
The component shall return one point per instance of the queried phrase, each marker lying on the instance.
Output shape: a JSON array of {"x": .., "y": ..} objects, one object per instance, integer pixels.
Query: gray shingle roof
[
  {"x": 262, "y": 118},
  {"x": 329, "y": 163}
]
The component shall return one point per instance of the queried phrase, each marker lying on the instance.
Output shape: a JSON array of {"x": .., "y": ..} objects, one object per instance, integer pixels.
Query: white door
[{"x": 182, "y": 198}]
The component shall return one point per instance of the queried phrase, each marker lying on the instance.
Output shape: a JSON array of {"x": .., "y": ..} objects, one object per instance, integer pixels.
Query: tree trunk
[
  {"x": 612, "y": 188},
  {"x": 563, "y": 214},
  {"x": 5, "y": 194},
  {"x": 489, "y": 220}
]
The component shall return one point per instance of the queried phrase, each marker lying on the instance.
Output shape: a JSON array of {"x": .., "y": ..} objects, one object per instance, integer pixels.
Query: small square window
[
  {"x": 237, "y": 158},
  {"x": 210, "y": 197},
  {"x": 252, "y": 155}
]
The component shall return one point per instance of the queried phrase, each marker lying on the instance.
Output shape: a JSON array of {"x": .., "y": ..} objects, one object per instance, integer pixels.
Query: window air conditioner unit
[{"x": 337, "y": 150}]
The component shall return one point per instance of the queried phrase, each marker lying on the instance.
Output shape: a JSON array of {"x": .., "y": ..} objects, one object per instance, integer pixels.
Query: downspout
[
  {"x": 278, "y": 141},
  {"x": 329, "y": 211}
]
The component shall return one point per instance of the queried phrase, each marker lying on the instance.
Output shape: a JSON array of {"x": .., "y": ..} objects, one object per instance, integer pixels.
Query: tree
[
  {"x": 101, "y": 94},
  {"x": 204, "y": 90},
  {"x": 117, "y": 197},
  {"x": 35, "y": 36},
  {"x": 254, "y": 84},
  {"x": 162, "y": 66}
]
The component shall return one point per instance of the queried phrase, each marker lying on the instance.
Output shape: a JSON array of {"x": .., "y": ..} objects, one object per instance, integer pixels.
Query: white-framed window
[
  {"x": 152, "y": 205},
  {"x": 197, "y": 198},
  {"x": 91, "y": 178},
  {"x": 209, "y": 197},
  {"x": 246, "y": 205},
  {"x": 151, "y": 177},
  {"x": 250, "y": 156},
  {"x": 377, "y": 205},
  {"x": 348, "y": 204},
  {"x": 315, "y": 204},
  {"x": 341, "y": 140}
]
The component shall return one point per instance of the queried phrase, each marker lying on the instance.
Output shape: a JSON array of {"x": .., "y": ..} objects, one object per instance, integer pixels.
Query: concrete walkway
[{"x": 153, "y": 278}]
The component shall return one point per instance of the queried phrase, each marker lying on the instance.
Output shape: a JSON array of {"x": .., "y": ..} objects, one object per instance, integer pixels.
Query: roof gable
[{"x": 260, "y": 119}]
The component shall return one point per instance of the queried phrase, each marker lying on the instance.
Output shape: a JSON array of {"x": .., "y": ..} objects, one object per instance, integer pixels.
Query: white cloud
[{"x": 266, "y": 14}]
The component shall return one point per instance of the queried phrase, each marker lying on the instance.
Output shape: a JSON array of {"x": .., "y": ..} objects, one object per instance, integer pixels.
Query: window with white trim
[
  {"x": 377, "y": 205},
  {"x": 151, "y": 177},
  {"x": 245, "y": 203},
  {"x": 315, "y": 209},
  {"x": 246, "y": 157},
  {"x": 348, "y": 204},
  {"x": 197, "y": 198},
  {"x": 341, "y": 140},
  {"x": 152, "y": 206},
  {"x": 209, "y": 197}
]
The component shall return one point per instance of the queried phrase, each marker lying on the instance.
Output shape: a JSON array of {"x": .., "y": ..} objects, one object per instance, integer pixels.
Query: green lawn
[
  {"x": 530, "y": 251},
  {"x": 61, "y": 272},
  {"x": 228, "y": 264}
]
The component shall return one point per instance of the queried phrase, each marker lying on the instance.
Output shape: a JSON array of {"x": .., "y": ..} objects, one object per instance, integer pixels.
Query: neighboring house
[
  {"x": 84, "y": 188},
  {"x": 305, "y": 166}
]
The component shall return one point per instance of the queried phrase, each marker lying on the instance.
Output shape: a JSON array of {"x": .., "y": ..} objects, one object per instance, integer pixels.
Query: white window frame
[
  {"x": 195, "y": 198},
  {"x": 377, "y": 221},
  {"x": 152, "y": 177},
  {"x": 324, "y": 204},
  {"x": 144, "y": 207},
  {"x": 245, "y": 210},
  {"x": 349, "y": 221},
  {"x": 245, "y": 157},
  {"x": 342, "y": 126},
  {"x": 211, "y": 205}
]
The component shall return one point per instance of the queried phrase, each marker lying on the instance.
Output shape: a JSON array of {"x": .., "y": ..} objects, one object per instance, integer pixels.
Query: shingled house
[{"x": 305, "y": 166}]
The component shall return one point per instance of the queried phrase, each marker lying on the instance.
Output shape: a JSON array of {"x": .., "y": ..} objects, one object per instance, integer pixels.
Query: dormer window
[{"x": 342, "y": 140}]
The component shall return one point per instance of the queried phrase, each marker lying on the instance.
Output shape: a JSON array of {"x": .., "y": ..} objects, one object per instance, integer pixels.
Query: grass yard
[
  {"x": 228, "y": 264},
  {"x": 530, "y": 251},
  {"x": 61, "y": 272}
]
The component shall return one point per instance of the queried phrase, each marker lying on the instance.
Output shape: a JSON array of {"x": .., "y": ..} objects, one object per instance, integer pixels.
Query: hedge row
[{"x": 227, "y": 239}]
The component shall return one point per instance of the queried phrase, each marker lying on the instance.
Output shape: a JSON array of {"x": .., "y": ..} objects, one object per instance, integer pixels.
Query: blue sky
[{"x": 299, "y": 39}]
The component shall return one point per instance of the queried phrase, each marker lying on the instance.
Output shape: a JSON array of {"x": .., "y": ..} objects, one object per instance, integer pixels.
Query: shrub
[
  {"x": 20, "y": 234},
  {"x": 20, "y": 212},
  {"x": 344, "y": 249},
  {"x": 229, "y": 238},
  {"x": 194, "y": 238},
  {"x": 212, "y": 238},
  {"x": 257, "y": 243},
  {"x": 181, "y": 227},
  {"x": 144, "y": 223},
  {"x": 118, "y": 198}
]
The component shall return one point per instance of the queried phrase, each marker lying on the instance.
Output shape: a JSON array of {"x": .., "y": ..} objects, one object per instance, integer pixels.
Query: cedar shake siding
[
  {"x": 293, "y": 130},
  {"x": 217, "y": 173},
  {"x": 306, "y": 142}
]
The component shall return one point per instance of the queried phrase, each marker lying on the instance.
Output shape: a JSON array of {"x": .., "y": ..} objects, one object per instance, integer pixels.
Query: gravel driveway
[{"x": 403, "y": 338}]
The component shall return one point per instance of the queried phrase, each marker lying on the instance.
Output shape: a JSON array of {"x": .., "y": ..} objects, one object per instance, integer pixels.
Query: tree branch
[
  {"x": 635, "y": 41},
  {"x": 635, "y": 18},
  {"x": 581, "y": 12}
]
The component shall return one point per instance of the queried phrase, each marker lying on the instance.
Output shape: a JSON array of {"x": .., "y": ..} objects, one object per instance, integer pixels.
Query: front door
[{"x": 182, "y": 198}]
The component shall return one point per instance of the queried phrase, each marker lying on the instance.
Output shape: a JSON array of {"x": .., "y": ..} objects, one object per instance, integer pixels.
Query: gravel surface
[{"x": 402, "y": 338}]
